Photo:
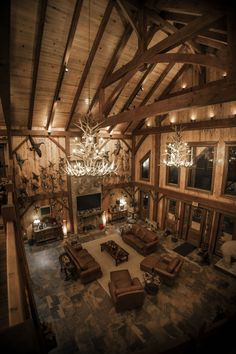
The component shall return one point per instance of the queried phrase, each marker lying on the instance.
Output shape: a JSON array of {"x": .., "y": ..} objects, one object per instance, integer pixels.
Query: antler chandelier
[
  {"x": 90, "y": 157},
  {"x": 178, "y": 153}
]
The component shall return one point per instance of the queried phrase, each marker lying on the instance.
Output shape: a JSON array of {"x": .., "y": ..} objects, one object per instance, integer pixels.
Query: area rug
[
  {"x": 107, "y": 263},
  {"x": 184, "y": 249}
]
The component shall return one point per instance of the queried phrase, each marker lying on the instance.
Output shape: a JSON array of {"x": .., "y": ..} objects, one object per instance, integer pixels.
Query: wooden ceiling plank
[
  {"x": 73, "y": 26},
  {"x": 42, "y": 8},
  {"x": 213, "y": 93},
  {"x": 185, "y": 33},
  {"x": 91, "y": 56},
  {"x": 5, "y": 101},
  {"x": 204, "y": 124},
  {"x": 115, "y": 57}
]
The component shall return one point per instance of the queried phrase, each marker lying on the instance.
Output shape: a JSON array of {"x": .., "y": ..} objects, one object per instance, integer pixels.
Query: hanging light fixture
[
  {"x": 90, "y": 157},
  {"x": 178, "y": 153}
]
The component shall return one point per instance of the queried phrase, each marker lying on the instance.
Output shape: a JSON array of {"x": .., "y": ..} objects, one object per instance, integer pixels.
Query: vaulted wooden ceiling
[{"x": 120, "y": 59}]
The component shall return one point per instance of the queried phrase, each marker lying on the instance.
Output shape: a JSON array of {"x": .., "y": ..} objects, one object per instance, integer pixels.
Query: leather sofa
[
  {"x": 126, "y": 293},
  {"x": 88, "y": 268},
  {"x": 142, "y": 240},
  {"x": 167, "y": 266}
]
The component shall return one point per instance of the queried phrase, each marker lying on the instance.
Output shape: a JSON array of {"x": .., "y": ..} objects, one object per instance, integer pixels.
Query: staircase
[{"x": 3, "y": 279}]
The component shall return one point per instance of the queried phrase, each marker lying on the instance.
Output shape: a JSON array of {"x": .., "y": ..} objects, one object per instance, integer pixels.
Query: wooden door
[
  {"x": 144, "y": 205},
  {"x": 196, "y": 226}
]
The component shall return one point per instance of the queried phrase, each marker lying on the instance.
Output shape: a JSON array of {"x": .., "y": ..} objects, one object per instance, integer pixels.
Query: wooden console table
[{"x": 47, "y": 233}]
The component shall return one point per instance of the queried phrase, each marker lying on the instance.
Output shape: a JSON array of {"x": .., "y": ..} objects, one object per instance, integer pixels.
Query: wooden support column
[
  {"x": 157, "y": 146},
  {"x": 133, "y": 160},
  {"x": 70, "y": 204}
]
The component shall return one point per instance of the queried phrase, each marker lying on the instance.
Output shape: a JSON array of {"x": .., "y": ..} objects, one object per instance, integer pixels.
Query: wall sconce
[{"x": 64, "y": 228}]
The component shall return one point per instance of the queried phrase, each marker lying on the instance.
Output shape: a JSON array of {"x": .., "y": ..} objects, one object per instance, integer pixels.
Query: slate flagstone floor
[{"x": 84, "y": 319}]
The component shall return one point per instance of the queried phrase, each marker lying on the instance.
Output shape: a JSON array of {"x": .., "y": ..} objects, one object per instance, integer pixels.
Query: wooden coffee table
[{"x": 114, "y": 250}]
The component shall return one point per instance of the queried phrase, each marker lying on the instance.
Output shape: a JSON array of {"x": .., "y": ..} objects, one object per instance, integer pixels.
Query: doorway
[
  {"x": 196, "y": 224},
  {"x": 144, "y": 205}
]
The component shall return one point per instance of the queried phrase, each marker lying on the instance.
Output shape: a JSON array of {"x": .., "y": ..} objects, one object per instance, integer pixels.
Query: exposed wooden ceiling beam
[
  {"x": 215, "y": 92},
  {"x": 209, "y": 42},
  {"x": 5, "y": 27},
  {"x": 126, "y": 12},
  {"x": 172, "y": 83},
  {"x": 185, "y": 33},
  {"x": 115, "y": 57},
  {"x": 119, "y": 88},
  {"x": 197, "y": 59},
  {"x": 91, "y": 56},
  {"x": 191, "y": 7},
  {"x": 70, "y": 38},
  {"x": 218, "y": 26},
  {"x": 166, "y": 91},
  {"x": 135, "y": 125},
  {"x": 204, "y": 124},
  {"x": 42, "y": 7}
]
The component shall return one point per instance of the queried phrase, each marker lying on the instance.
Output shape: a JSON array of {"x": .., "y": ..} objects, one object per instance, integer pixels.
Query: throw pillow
[{"x": 172, "y": 265}]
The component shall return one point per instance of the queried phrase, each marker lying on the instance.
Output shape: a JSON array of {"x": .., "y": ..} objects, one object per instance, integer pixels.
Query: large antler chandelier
[
  {"x": 178, "y": 153},
  {"x": 89, "y": 158}
]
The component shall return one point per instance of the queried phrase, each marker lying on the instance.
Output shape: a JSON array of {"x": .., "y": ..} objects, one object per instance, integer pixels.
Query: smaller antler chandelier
[
  {"x": 178, "y": 153},
  {"x": 90, "y": 157}
]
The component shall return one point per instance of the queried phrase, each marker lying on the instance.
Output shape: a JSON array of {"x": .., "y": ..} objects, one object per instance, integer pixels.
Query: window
[
  {"x": 230, "y": 179},
  {"x": 172, "y": 175},
  {"x": 145, "y": 167},
  {"x": 200, "y": 174}
]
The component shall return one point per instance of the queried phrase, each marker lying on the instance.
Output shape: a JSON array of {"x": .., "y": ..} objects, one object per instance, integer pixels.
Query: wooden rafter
[
  {"x": 42, "y": 7},
  {"x": 115, "y": 57},
  {"x": 5, "y": 17},
  {"x": 57, "y": 144},
  {"x": 185, "y": 33},
  {"x": 140, "y": 142},
  {"x": 198, "y": 59},
  {"x": 134, "y": 125},
  {"x": 91, "y": 56},
  {"x": 213, "y": 93},
  {"x": 167, "y": 90},
  {"x": 119, "y": 88},
  {"x": 73, "y": 26},
  {"x": 128, "y": 16},
  {"x": 204, "y": 124},
  {"x": 172, "y": 83}
]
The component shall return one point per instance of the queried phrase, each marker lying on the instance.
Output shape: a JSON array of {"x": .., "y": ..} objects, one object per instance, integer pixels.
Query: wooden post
[
  {"x": 70, "y": 204},
  {"x": 157, "y": 146}
]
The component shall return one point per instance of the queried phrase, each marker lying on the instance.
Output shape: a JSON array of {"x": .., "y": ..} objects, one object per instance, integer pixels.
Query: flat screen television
[{"x": 88, "y": 201}]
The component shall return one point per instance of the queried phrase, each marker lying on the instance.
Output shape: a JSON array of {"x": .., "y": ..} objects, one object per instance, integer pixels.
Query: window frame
[
  {"x": 203, "y": 144},
  {"x": 225, "y": 173},
  {"x": 144, "y": 158}
]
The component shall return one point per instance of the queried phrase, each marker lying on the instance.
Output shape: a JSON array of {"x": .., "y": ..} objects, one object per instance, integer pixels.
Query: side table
[
  {"x": 67, "y": 267},
  {"x": 151, "y": 283}
]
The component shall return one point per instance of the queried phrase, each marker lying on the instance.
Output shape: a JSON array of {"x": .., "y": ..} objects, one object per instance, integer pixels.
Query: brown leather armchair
[
  {"x": 126, "y": 293},
  {"x": 167, "y": 266}
]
